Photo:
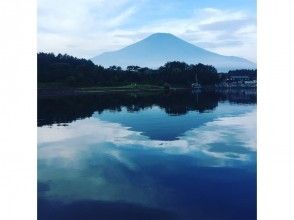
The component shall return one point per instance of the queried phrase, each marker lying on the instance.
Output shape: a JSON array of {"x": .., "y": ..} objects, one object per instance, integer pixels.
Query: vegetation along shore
[{"x": 69, "y": 74}]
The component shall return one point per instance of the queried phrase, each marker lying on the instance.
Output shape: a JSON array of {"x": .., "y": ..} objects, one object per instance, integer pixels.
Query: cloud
[
  {"x": 119, "y": 19},
  {"x": 230, "y": 25},
  {"x": 85, "y": 28},
  {"x": 80, "y": 28},
  {"x": 224, "y": 31}
]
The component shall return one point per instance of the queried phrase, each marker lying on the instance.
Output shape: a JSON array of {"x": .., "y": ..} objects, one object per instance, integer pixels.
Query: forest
[{"x": 68, "y": 71}]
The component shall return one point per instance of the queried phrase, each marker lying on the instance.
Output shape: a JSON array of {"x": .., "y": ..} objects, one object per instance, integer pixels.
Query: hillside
[{"x": 160, "y": 48}]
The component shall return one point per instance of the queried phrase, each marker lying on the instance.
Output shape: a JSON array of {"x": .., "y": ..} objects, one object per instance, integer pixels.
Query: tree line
[{"x": 66, "y": 70}]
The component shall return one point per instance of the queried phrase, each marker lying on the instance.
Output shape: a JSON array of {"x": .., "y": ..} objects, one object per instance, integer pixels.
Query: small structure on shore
[
  {"x": 166, "y": 86},
  {"x": 196, "y": 85}
]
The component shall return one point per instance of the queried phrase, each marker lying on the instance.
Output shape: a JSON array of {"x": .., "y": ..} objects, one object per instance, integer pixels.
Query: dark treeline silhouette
[
  {"x": 68, "y": 71},
  {"x": 251, "y": 74},
  {"x": 243, "y": 72},
  {"x": 65, "y": 109}
]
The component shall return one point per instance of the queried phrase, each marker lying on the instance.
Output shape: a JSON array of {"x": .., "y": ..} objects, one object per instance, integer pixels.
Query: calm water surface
[{"x": 147, "y": 156}]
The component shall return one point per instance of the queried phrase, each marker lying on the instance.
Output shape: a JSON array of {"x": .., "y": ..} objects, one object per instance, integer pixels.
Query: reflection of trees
[
  {"x": 181, "y": 103},
  {"x": 241, "y": 96},
  {"x": 64, "y": 109}
]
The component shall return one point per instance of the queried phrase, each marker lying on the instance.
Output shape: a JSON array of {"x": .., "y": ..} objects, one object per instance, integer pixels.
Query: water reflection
[
  {"x": 222, "y": 138},
  {"x": 149, "y": 164},
  {"x": 58, "y": 109}
]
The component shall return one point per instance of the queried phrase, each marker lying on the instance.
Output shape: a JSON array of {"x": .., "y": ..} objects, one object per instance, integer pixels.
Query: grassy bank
[
  {"x": 131, "y": 87},
  {"x": 56, "y": 90}
]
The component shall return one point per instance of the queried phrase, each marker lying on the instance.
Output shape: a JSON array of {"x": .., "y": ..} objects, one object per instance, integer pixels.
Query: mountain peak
[
  {"x": 161, "y": 35},
  {"x": 159, "y": 48}
]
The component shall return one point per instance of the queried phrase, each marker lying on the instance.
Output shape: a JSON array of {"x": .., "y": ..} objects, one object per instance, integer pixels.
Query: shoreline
[
  {"x": 46, "y": 92},
  {"x": 57, "y": 91}
]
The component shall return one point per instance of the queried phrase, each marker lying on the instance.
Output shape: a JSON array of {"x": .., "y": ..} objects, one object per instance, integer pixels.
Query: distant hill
[{"x": 160, "y": 48}]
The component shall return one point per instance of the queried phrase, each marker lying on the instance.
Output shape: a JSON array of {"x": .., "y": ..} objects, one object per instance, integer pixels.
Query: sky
[{"x": 86, "y": 28}]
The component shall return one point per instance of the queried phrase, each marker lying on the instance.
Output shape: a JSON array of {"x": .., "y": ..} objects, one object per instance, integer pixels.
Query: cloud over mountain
[{"x": 84, "y": 28}]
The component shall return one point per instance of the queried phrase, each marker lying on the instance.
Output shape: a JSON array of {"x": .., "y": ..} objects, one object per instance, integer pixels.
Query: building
[
  {"x": 196, "y": 85},
  {"x": 239, "y": 78}
]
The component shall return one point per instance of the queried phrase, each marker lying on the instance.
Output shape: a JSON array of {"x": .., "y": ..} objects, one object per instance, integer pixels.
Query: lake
[{"x": 164, "y": 155}]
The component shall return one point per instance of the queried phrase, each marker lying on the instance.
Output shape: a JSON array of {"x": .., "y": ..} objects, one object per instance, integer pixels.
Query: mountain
[{"x": 159, "y": 48}]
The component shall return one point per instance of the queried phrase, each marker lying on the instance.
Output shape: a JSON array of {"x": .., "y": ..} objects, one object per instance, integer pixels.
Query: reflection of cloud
[
  {"x": 215, "y": 139},
  {"x": 110, "y": 210},
  {"x": 94, "y": 129},
  {"x": 91, "y": 159},
  {"x": 69, "y": 142},
  {"x": 238, "y": 131}
]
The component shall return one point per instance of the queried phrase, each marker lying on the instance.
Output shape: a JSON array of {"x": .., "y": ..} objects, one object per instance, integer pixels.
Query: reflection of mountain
[
  {"x": 65, "y": 109},
  {"x": 110, "y": 166}
]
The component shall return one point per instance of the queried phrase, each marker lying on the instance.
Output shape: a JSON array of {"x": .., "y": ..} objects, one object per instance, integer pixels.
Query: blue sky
[{"x": 85, "y": 28}]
